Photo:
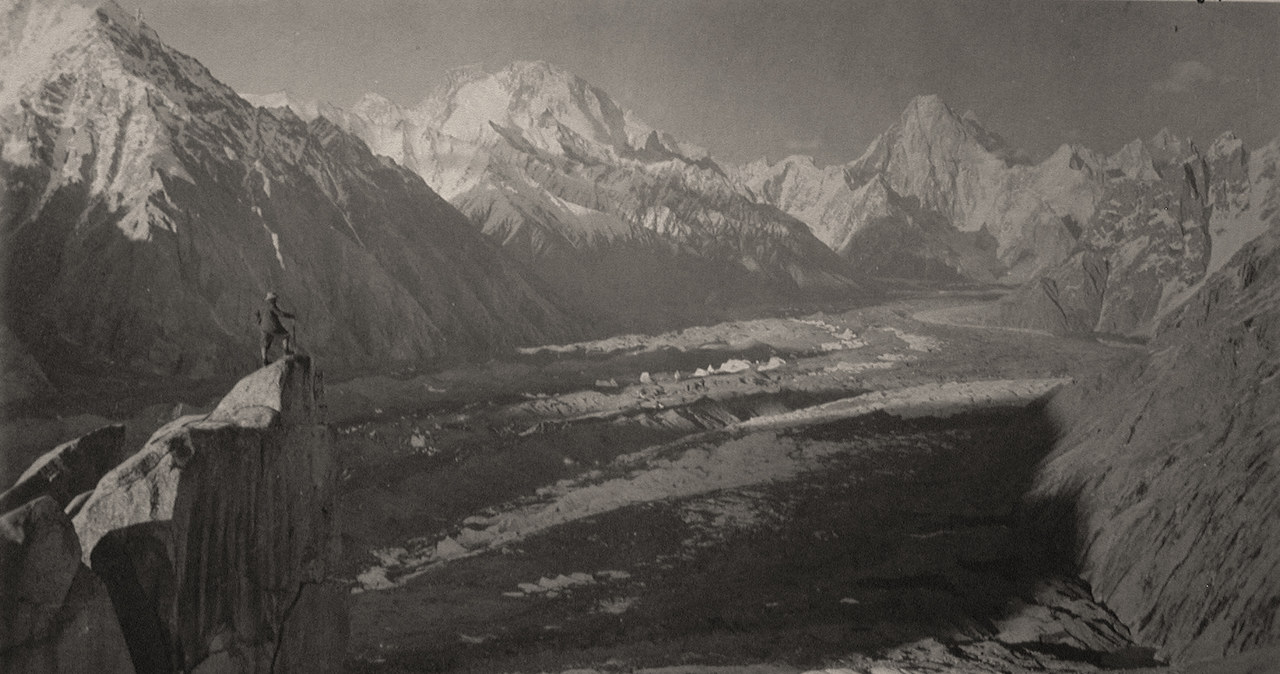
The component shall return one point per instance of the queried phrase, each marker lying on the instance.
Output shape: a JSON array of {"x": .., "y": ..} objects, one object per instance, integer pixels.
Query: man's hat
[{"x": 271, "y": 295}]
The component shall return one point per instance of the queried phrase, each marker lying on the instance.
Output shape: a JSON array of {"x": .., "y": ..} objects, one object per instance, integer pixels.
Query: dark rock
[
  {"x": 55, "y": 615},
  {"x": 1173, "y": 464},
  {"x": 69, "y": 469},
  {"x": 218, "y": 539},
  {"x": 1066, "y": 299}
]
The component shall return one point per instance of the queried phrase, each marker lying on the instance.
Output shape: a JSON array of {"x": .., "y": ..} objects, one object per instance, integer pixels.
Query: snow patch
[
  {"x": 553, "y": 587},
  {"x": 16, "y": 151},
  {"x": 275, "y": 240},
  {"x": 773, "y": 364}
]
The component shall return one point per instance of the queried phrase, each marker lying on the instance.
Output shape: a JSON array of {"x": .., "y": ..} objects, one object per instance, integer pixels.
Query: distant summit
[
  {"x": 640, "y": 228},
  {"x": 937, "y": 195}
]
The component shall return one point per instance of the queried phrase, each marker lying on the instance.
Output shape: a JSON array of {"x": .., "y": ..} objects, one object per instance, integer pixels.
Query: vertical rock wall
[
  {"x": 55, "y": 615},
  {"x": 217, "y": 540}
]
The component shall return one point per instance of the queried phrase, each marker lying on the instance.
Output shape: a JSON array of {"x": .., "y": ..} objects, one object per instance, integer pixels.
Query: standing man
[{"x": 269, "y": 324}]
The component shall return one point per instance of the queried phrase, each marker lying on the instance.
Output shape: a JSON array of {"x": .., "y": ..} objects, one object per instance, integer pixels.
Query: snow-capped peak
[
  {"x": 527, "y": 95},
  {"x": 928, "y": 111},
  {"x": 1133, "y": 161},
  {"x": 36, "y": 32}
]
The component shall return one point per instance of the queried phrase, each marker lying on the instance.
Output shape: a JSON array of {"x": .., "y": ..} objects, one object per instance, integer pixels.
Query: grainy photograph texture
[{"x": 611, "y": 336}]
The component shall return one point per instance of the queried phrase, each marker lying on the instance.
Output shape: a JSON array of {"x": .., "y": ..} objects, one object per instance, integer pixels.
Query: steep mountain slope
[
  {"x": 623, "y": 218},
  {"x": 1153, "y": 241},
  {"x": 146, "y": 208},
  {"x": 1172, "y": 469},
  {"x": 937, "y": 195}
]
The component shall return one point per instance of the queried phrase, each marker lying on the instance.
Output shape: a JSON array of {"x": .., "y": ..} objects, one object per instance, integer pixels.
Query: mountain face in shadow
[
  {"x": 146, "y": 209},
  {"x": 1172, "y": 467}
]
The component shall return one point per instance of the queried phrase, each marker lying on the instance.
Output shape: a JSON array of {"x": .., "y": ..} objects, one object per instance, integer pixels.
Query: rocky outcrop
[
  {"x": 1154, "y": 241},
  {"x": 145, "y": 209},
  {"x": 1172, "y": 467},
  {"x": 68, "y": 470},
  {"x": 55, "y": 615},
  {"x": 625, "y": 220},
  {"x": 217, "y": 540}
]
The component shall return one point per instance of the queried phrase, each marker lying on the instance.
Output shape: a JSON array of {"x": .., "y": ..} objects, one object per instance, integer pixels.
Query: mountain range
[
  {"x": 563, "y": 177},
  {"x": 145, "y": 209},
  {"x": 637, "y": 227}
]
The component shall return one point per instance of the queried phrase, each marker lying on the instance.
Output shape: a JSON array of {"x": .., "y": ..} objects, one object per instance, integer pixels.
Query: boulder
[
  {"x": 217, "y": 540},
  {"x": 55, "y": 615},
  {"x": 68, "y": 469}
]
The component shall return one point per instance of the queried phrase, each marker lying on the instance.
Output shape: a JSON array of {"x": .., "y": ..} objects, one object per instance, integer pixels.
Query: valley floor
[{"x": 840, "y": 492}]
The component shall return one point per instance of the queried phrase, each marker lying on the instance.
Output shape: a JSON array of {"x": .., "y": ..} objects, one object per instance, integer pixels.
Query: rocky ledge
[{"x": 211, "y": 549}]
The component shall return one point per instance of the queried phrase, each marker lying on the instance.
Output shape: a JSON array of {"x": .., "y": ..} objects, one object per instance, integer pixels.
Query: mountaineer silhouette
[{"x": 269, "y": 325}]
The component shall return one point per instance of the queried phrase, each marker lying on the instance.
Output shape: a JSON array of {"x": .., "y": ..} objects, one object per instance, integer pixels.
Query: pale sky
[{"x": 751, "y": 78}]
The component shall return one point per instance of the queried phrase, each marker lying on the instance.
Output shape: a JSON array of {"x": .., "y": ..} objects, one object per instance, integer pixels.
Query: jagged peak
[
  {"x": 527, "y": 73},
  {"x": 928, "y": 109},
  {"x": 1076, "y": 157},
  {"x": 537, "y": 69},
  {"x": 34, "y": 33},
  {"x": 304, "y": 108},
  {"x": 104, "y": 37},
  {"x": 928, "y": 116},
  {"x": 1164, "y": 138},
  {"x": 373, "y": 103},
  {"x": 465, "y": 73},
  {"x": 1166, "y": 145},
  {"x": 803, "y": 160},
  {"x": 1225, "y": 145},
  {"x": 1133, "y": 161}
]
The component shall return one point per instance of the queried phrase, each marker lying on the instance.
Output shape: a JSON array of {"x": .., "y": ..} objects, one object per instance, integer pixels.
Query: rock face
[
  {"x": 1173, "y": 470},
  {"x": 217, "y": 540},
  {"x": 1154, "y": 240},
  {"x": 68, "y": 470},
  {"x": 145, "y": 209},
  {"x": 938, "y": 196},
  {"x": 55, "y": 615},
  {"x": 642, "y": 229}
]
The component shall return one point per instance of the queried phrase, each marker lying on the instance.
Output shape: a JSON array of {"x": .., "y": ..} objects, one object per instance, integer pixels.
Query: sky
[{"x": 769, "y": 78}]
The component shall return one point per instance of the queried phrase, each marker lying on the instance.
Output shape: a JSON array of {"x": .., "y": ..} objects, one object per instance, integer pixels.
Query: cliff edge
[{"x": 215, "y": 542}]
